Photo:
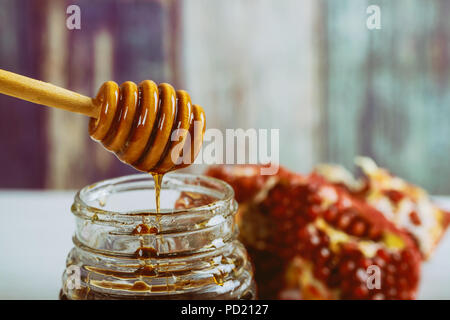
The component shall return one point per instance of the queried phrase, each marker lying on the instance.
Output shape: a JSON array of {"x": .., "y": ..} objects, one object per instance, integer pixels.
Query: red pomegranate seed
[
  {"x": 415, "y": 218},
  {"x": 347, "y": 267},
  {"x": 374, "y": 233},
  {"x": 402, "y": 283},
  {"x": 322, "y": 272},
  {"x": 330, "y": 214},
  {"x": 358, "y": 228},
  {"x": 383, "y": 254},
  {"x": 391, "y": 269},
  {"x": 394, "y": 195},
  {"x": 390, "y": 280},
  {"x": 364, "y": 263},
  {"x": 344, "y": 220},
  {"x": 361, "y": 292},
  {"x": 313, "y": 212},
  {"x": 314, "y": 199}
]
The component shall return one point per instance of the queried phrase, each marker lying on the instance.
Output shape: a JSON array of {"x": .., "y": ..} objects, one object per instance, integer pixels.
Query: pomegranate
[{"x": 314, "y": 239}]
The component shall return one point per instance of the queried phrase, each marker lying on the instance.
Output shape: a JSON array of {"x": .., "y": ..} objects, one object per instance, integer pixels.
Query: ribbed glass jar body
[{"x": 124, "y": 249}]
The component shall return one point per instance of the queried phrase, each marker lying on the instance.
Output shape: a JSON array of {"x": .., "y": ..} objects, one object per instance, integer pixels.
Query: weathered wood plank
[{"x": 253, "y": 64}]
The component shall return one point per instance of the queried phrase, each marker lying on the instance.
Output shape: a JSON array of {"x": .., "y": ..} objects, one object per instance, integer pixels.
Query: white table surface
[{"x": 35, "y": 237}]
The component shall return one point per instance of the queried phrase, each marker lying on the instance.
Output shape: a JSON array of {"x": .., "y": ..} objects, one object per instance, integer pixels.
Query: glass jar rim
[{"x": 83, "y": 209}]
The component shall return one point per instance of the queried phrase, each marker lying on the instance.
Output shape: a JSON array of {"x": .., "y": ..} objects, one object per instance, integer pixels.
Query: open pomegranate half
[{"x": 312, "y": 239}]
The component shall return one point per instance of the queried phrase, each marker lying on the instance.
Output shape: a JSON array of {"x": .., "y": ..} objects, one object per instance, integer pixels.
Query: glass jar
[{"x": 124, "y": 249}]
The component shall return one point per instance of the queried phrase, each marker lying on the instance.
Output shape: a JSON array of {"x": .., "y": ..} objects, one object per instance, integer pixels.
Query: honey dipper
[{"x": 138, "y": 123}]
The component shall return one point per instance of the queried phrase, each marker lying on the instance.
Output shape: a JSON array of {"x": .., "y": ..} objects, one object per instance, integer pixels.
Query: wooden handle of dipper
[{"x": 46, "y": 94}]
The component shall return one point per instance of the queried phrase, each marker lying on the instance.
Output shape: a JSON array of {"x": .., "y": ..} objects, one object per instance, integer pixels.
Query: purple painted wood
[
  {"x": 22, "y": 126},
  {"x": 139, "y": 51}
]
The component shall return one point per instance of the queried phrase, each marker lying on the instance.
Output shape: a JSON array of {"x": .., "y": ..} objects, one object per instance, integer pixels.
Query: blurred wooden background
[{"x": 310, "y": 68}]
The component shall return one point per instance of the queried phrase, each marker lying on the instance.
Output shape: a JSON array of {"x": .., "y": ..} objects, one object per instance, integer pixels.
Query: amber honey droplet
[
  {"x": 140, "y": 286},
  {"x": 146, "y": 271},
  {"x": 144, "y": 229},
  {"x": 145, "y": 253}
]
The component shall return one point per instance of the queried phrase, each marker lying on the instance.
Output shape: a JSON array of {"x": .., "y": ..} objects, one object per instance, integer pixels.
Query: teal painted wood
[{"x": 388, "y": 91}]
